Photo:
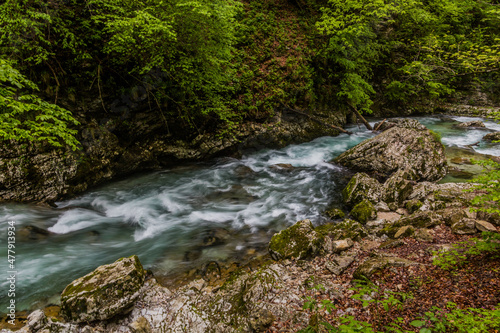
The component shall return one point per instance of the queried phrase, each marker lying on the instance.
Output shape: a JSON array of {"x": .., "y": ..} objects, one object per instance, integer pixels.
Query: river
[{"x": 164, "y": 216}]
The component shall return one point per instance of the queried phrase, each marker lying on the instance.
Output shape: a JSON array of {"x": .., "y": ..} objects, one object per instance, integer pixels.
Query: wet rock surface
[{"x": 44, "y": 174}]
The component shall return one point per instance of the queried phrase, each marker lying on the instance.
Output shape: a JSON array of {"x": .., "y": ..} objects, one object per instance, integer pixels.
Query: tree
[
  {"x": 408, "y": 50},
  {"x": 25, "y": 117}
]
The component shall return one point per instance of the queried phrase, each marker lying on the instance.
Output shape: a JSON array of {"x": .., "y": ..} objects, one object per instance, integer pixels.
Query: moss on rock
[
  {"x": 343, "y": 230},
  {"x": 363, "y": 211},
  {"x": 298, "y": 241},
  {"x": 361, "y": 187},
  {"x": 107, "y": 291}
]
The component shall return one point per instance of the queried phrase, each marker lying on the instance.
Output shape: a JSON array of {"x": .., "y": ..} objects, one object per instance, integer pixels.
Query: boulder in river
[
  {"x": 492, "y": 136},
  {"x": 417, "y": 151},
  {"x": 107, "y": 291},
  {"x": 473, "y": 123},
  {"x": 399, "y": 122},
  {"x": 298, "y": 241}
]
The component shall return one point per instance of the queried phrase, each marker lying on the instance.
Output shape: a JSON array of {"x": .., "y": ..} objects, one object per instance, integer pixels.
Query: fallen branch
[
  {"x": 378, "y": 126},
  {"x": 317, "y": 120},
  {"x": 356, "y": 112}
]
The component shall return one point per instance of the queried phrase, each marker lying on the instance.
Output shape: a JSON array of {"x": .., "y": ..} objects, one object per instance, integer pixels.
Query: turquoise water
[{"x": 162, "y": 215}]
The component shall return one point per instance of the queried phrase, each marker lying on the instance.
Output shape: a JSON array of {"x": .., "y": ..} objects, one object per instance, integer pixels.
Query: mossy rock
[
  {"x": 413, "y": 205},
  {"x": 345, "y": 229},
  {"x": 370, "y": 266},
  {"x": 465, "y": 226},
  {"x": 298, "y": 241},
  {"x": 420, "y": 219},
  {"x": 404, "y": 232},
  {"x": 363, "y": 211},
  {"x": 335, "y": 213},
  {"x": 398, "y": 187},
  {"x": 107, "y": 291},
  {"x": 361, "y": 187}
]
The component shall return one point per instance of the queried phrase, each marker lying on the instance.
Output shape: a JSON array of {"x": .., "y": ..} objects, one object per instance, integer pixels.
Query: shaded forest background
[{"x": 212, "y": 65}]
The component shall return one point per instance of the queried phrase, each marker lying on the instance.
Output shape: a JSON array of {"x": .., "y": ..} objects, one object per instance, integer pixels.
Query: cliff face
[{"x": 112, "y": 148}]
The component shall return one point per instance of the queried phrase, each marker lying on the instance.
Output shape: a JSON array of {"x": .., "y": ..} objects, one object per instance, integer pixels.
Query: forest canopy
[{"x": 220, "y": 62}]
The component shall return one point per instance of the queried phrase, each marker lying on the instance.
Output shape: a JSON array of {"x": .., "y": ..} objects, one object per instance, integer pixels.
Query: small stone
[
  {"x": 341, "y": 245},
  {"x": 298, "y": 241},
  {"x": 389, "y": 217},
  {"x": 402, "y": 211},
  {"x": 465, "y": 226},
  {"x": 382, "y": 207},
  {"x": 413, "y": 205},
  {"x": 361, "y": 187},
  {"x": 391, "y": 243},
  {"x": 260, "y": 320},
  {"x": 140, "y": 325},
  {"x": 363, "y": 211},
  {"x": 405, "y": 231},
  {"x": 36, "y": 320},
  {"x": 370, "y": 266},
  {"x": 393, "y": 206},
  {"x": 335, "y": 213},
  {"x": 485, "y": 226},
  {"x": 423, "y": 235},
  {"x": 339, "y": 264}
]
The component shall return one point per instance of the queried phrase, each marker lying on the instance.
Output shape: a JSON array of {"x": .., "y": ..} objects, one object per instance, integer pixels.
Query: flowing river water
[{"x": 164, "y": 216}]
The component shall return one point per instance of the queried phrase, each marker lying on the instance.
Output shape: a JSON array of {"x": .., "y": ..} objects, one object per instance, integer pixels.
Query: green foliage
[
  {"x": 458, "y": 320},
  {"x": 456, "y": 257},
  {"x": 419, "y": 49},
  {"x": 25, "y": 117},
  {"x": 381, "y": 303},
  {"x": 488, "y": 188}
]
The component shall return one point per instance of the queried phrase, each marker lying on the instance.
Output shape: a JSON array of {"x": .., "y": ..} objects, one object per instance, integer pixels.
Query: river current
[{"x": 162, "y": 216}]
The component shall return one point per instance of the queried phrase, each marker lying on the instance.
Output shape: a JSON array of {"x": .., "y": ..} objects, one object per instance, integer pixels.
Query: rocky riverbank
[
  {"x": 113, "y": 148},
  {"x": 396, "y": 220}
]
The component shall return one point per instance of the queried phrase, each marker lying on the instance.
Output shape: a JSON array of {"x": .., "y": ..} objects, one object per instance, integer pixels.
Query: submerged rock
[
  {"x": 107, "y": 291},
  {"x": 298, "y": 241},
  {"x": 32, "y": 232},
  {"x": 417, "y": 151}
]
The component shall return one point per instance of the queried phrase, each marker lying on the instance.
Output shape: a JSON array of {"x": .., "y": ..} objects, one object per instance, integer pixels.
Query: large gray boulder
[
  {"x": 419, "y": 152},
  {"x": 107, "y": 291}
]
